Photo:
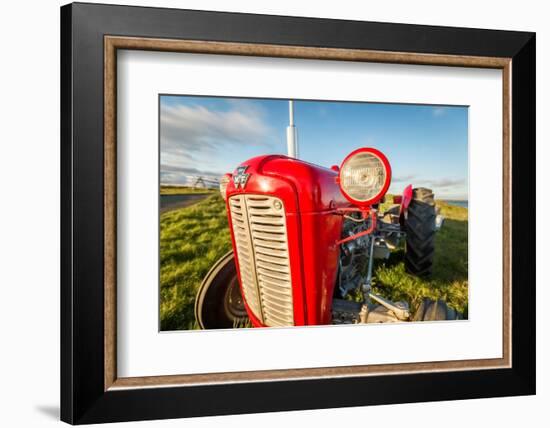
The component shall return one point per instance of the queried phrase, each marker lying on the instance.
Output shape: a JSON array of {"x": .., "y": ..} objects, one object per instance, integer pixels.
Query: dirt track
[{"x": 172, "y": 202}]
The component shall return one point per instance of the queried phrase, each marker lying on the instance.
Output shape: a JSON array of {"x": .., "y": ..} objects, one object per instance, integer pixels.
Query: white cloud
[
  {"x": 439, "y": 111},
  {"x": 447, "y": 182},
  {"x": 197, "y": 128},
  {"x": 188, "y": 134},
  {"x": 444, "y": 188},
  {"x": 403, "y": 178}
]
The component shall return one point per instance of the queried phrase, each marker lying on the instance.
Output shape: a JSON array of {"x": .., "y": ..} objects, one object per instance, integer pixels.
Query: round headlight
[
  {"x": 365, "y": 176},
  {"x": 224, "y": 181}
]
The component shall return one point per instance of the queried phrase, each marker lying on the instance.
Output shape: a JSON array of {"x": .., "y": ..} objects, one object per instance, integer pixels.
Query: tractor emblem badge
[{"x": 241, "y": 178}]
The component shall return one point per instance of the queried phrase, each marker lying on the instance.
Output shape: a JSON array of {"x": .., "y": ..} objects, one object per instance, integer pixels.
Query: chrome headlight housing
[
  {"x": 365, "y": 176},
  {"x": 224, "y": 181}
]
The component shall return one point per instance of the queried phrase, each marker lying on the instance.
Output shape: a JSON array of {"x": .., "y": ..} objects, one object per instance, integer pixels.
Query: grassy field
[
  {"x": 180, "y": 190},
  {"x": 449, "y": 280},
  {"x": 193, "y": 238}
]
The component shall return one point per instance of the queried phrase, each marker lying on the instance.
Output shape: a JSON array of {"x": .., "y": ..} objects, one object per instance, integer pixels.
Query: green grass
[
  {"x": 180, "y": 190},
  {"x": 449, "y": 280},
  {"x": 192, "y": 239}
]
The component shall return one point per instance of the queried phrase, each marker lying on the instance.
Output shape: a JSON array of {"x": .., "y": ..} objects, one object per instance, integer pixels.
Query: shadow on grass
[
  {"x": 451, "y": 252},
  {"x": 449, "y": 280}
]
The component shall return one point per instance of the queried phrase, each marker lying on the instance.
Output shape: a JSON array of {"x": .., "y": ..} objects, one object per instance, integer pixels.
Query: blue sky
[{"x": 209, "y": 136}]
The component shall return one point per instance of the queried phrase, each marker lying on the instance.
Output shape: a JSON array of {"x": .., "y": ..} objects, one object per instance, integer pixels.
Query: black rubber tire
[
  {"x": 435, "y": 310},
  {"x": 219, "y": 302},
  {"x": 420, "y": 229},
  {"x": 419, "y": 314}
]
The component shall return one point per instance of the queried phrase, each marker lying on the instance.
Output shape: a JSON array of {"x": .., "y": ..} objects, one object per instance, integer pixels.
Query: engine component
[
  {"x": 353, "y": 258},
  {"x": 399, "y": 309},
  {"x": 381, "y": 250},
  {"x": 380, "y": 314},
  {"x": 346, "y": 312},
  {"x": 349, "y": 312}
]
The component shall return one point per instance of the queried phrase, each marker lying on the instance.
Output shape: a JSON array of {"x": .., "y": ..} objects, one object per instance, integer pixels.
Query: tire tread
[{"x": 420, "y": 228}]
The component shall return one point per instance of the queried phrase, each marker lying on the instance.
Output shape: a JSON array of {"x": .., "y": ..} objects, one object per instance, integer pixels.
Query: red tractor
[{"x": 304, "y": 239}]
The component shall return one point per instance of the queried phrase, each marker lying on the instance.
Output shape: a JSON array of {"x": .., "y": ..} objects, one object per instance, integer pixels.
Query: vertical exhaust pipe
[{"x": 291, "y": 133}]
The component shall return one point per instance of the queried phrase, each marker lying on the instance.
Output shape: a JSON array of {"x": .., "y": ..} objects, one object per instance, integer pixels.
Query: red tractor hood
[
  {"x": 309, "y": 195},
  {"x": 305, "y": 187}
]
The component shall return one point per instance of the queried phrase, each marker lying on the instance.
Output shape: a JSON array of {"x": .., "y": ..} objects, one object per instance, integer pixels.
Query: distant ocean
[{"x": 463, "y": 204}]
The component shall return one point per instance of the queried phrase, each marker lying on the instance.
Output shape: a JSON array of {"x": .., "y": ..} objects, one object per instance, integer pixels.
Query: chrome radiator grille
[{"x": 259, "y": 227}]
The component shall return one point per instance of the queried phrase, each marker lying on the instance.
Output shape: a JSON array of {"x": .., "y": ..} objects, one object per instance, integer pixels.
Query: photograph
[
  {"x": 297, "y": 213},
  {"x": 282, "y": 210}
]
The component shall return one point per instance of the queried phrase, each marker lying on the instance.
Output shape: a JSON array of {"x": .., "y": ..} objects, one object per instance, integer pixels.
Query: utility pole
[{"x": 291, "y": 133}]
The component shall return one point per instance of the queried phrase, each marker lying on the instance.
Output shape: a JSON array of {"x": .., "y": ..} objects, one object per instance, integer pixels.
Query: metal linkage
[
  {"x": 400, "y": 309},
  {"x": 371, "y": 228}
]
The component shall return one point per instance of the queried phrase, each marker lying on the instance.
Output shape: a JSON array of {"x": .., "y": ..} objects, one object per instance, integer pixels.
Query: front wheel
[
  {"x": 435, "y": 310},
  {"x": 219, "y": 302}
]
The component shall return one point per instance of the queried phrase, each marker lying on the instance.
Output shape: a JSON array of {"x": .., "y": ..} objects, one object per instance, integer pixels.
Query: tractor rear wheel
[
  {"x": 420, "y": 229},
  {"x": 219, "y": 302}
]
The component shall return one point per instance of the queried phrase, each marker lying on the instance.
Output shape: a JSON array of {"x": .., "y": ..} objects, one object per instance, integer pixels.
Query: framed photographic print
[{"x": 275, "y": 213}]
